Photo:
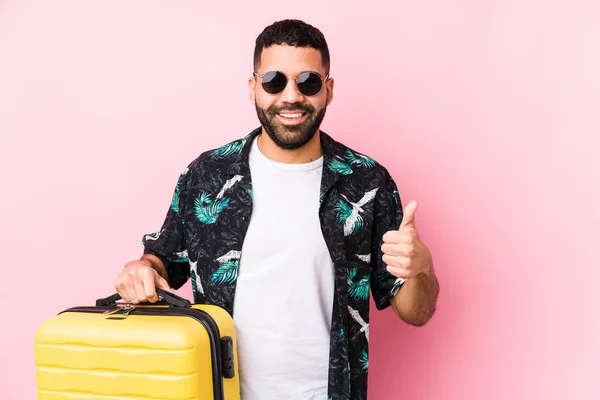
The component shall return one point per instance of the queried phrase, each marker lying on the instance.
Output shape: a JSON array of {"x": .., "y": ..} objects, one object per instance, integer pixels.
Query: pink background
[{"x": 486, "y": 113}]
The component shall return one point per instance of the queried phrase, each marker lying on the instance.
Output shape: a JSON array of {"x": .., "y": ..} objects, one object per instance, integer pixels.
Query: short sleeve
[
  {"x": 169, "y": 244},
  {"x": 387, "y": 216}
]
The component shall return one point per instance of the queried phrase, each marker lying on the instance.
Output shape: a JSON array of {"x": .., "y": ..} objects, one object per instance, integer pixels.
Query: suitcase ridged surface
[{"x": 81, "y": 355}]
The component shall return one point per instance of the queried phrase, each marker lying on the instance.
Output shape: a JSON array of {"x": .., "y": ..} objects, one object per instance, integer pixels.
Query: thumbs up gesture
[{"x": 403, "y": 252}]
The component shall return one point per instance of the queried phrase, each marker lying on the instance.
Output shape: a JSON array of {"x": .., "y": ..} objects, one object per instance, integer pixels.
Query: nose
[{"x": 291, "y": 94}]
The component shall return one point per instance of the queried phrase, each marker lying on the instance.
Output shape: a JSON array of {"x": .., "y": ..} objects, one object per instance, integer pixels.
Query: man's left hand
[{"x": 403, "y": 252}]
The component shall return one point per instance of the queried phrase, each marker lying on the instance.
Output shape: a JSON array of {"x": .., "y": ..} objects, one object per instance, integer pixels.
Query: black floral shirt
[{"x": 205, "y": 226}]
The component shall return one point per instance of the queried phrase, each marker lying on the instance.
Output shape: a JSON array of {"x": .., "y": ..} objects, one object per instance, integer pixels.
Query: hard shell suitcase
[{"x": 165, "y": 350}]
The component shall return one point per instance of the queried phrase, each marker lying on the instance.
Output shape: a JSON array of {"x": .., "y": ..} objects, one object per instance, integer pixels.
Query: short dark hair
[{"x": 292, "y": 32}]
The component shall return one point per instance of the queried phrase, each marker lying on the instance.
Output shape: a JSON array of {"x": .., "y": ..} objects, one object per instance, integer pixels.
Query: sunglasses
[{"x": 309, "y": 83}]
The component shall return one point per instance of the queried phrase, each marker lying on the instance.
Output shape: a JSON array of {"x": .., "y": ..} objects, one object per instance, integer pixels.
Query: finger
[
  {"x": 393, "y": 237},
  {"x": 121, "y": 290},
  {"x": 396, "y": 261},
  {"x": 408, "y": 219},
  {"x": 399, "y": 249},
  {"x": 150, "y": 292},
  {"x": 403, "y": 273},
  {"x": 161, "y": 283},
  {"x": 148, "y": 283},
  {"x": 139, "y": 291},
  {"x": 130, "y": 296},
  {"x": 406, "y": 235}
]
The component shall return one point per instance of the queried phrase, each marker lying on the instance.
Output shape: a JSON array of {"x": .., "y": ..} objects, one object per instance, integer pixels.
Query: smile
[{"x": 291, "y": 117}]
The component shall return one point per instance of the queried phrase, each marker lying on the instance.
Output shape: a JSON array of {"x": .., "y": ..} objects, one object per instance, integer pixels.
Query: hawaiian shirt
[{"x": 205, "y": 226}]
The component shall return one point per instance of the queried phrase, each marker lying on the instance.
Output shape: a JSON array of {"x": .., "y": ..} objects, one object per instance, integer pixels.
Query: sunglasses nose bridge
[{"x": 291, "y": 93}]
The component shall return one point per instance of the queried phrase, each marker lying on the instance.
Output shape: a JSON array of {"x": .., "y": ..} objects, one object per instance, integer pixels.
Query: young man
[{"x": 291, "y": 232}]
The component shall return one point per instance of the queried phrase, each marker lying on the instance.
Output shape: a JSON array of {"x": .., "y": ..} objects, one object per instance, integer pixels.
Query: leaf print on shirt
[
  {"x": 396, "y": 196},
  {"x": 228, "y": 270},
  {"x": 230, "y": 148},
  {"x": 358, "y": 290},
  {"x": 349, "y": 213},
  {"x": 364, "y": 327},
  {"x": 340, "y": 167},
  {"x": 359, "y": 160},
  {"x": 207, "y": 210},
  {"x": 175, "y": 200},
  {"x": 364, "y": 360}
]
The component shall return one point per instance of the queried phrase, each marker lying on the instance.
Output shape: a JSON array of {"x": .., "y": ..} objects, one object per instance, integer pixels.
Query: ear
[
  {"x": 252, "y": 88},
  {"x": 329, "y": 85}
]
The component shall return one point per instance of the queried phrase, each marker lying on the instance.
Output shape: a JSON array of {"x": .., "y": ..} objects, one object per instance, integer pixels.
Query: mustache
[{"x": 291, "y": 107}]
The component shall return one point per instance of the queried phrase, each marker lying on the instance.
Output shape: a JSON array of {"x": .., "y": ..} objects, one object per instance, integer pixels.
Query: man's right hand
[{"x": 138, "y": 282}]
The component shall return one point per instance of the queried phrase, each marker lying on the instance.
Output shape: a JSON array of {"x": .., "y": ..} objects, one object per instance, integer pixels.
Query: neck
[{"x": 307, "y": 153}]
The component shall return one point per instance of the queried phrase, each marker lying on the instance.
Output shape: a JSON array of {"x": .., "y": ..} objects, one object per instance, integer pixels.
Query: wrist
[
  {"x": 428, "y": 270},
  {"x": 148, "y": 261}
]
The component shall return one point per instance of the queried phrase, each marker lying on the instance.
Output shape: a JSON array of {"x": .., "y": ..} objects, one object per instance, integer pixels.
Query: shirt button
[{"x": 244, "y": 218}]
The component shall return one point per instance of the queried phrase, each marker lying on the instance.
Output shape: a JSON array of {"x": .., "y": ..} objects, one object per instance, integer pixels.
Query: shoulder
[
  {"x": 364, "y": 174},
  {"x": 216, "y": 160},
  {"x": 355, "y": 165}
]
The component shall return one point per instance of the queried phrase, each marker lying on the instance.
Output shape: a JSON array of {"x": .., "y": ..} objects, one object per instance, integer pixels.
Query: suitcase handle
[{"x": 164, "y": 297}]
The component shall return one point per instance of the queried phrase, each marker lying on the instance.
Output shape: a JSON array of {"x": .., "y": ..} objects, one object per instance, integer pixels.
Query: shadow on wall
[{"x": 408, "y": 362}]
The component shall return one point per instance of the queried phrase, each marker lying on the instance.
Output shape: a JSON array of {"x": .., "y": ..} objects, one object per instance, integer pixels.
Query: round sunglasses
[{"x": 309, "y": 83}]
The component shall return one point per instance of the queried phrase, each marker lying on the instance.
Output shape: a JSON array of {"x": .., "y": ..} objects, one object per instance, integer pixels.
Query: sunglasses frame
[{"x": 323, "y": 80}]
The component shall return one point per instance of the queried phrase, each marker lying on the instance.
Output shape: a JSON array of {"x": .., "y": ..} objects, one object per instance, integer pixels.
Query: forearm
[{"x": 416, "y": 300}]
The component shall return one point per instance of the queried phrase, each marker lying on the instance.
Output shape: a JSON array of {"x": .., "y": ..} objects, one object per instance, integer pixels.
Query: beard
[{"x": 290, "y": 137}]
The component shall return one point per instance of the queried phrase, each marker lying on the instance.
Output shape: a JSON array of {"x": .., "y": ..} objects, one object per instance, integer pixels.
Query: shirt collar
[{"x": 333, "y": 153}]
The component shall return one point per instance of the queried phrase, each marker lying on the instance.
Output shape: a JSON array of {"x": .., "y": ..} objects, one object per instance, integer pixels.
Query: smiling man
[{"x": 291, "y": 232}]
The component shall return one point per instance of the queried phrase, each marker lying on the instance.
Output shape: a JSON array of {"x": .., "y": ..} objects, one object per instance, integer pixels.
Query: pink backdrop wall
[{"x": 486, "y": 112}]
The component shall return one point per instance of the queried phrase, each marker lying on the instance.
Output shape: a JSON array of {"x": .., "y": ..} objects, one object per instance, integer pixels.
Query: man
[{"x": 291, "y": 232}]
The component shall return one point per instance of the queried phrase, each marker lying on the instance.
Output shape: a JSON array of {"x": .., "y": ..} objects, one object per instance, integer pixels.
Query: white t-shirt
[{"x": 284, "y": 295}]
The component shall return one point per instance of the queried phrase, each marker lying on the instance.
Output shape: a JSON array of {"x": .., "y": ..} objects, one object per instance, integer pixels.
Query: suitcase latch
[{"x": 126, "y": 309}]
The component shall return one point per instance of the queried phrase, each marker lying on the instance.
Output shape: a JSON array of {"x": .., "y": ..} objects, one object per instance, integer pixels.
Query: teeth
[{"x": 297, "y": 115}]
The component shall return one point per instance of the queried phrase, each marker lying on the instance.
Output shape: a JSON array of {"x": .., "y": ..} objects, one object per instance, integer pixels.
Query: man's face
[{"x": 290, "y": 117}]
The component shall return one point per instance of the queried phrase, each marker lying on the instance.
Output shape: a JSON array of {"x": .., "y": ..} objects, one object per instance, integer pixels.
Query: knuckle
[{"x": 389, "y": 260}]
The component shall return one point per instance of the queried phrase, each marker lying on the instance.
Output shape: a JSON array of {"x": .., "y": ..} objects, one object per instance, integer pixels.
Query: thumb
[
  {"x": 161, "y": 283},
  {"x": 408, "y": 218}
]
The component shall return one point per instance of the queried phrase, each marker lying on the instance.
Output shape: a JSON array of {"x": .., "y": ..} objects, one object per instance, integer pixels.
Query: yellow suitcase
[{"x": 166, "y": 350}]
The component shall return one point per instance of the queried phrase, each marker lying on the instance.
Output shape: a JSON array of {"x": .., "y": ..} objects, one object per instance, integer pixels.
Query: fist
[
  {"x": 138, "y": 282},
  {"x": 403, "y": 252}
]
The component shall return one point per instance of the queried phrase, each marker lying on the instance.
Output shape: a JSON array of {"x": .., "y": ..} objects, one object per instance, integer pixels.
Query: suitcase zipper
[
  {"x": 127, "y": 308},
  {"x": 201, "y": 316}
]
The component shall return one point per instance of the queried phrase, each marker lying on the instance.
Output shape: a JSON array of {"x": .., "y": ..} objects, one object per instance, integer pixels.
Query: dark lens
[
  {"x": 309, "y": 83},
  {"x": 273, "y": 82}
]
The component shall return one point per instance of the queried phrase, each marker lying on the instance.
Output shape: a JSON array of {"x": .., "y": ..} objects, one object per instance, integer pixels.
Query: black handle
[{"x": 164, "y": 297}]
